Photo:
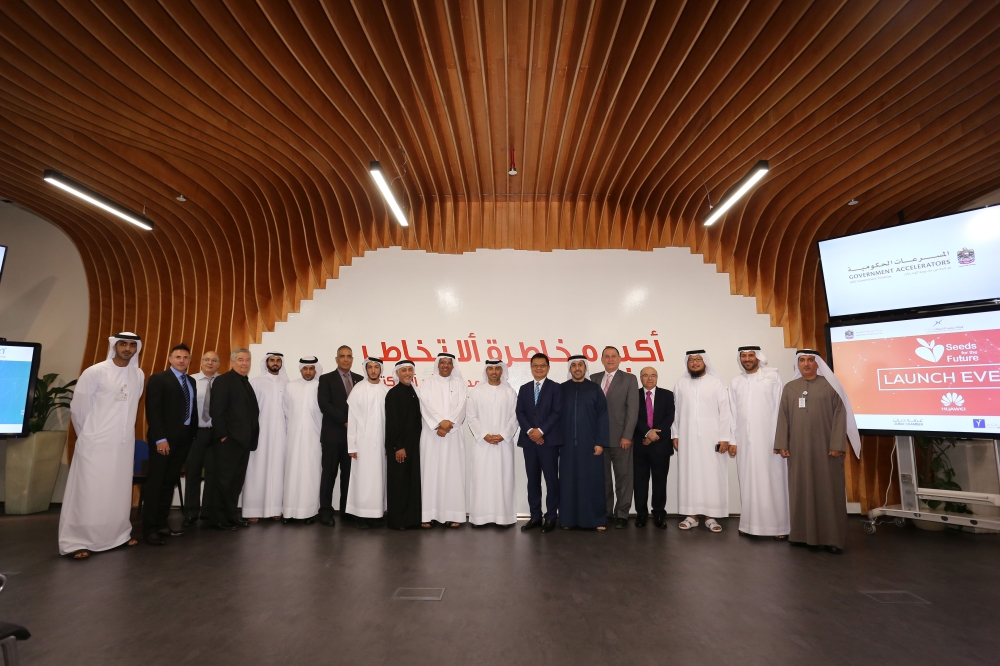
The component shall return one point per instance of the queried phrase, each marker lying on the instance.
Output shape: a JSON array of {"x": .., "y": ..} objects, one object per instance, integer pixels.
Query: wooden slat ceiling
[{"x": 620, "y": 114}]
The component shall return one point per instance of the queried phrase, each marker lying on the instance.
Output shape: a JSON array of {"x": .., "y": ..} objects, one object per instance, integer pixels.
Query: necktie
[
  {"x": 348, "y": 384},
  {"x": 186, "y": 390},
  {"x": 538, "y": 387},
  {"x": 649, "y": 409},
  {"x": 208, "y": 402},
  {"x": 607, "y": 382}
]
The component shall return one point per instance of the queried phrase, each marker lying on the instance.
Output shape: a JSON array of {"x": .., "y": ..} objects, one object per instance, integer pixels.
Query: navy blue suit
[{"x": 541, "y": 459}]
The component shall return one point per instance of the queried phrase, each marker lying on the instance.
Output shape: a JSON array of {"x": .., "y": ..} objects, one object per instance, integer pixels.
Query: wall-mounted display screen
[
  {"x": 953, "y": 259},
  {"x": 18, "y": 368},
  {"x": 935, "y": 375}
]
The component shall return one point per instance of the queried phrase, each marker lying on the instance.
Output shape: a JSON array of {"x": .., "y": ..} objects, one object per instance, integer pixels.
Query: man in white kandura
[
  {"x": 266, "y": 470},
  {"x": 492, "y": 419},
  {"x": 303, "y": 457},
  {"x": 366, "y": 446},
  {"x": 98, "y": 497},
  {"x": 701, "y": 433},
  {"x": 755, "y": 395},
  {"x": 442, "y": 444}
]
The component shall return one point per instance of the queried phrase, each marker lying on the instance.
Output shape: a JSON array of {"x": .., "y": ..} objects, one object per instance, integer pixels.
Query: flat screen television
[
  {"x": 3, "y": 256},
  {"x": 943, "y": 261},
  {"x": 936, "y": 375},
  {"x": 18, "y": 369}
]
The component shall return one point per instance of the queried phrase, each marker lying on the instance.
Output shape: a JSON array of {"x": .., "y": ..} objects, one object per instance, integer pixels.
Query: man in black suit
[
  {"x": 334, "y": 387},
  {"x": 172, "y": 416},
  {"x": 235, "y": 429},
  {"x": 653, "y": 448}
]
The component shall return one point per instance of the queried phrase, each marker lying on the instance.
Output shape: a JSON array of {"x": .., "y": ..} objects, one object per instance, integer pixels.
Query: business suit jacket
[
  {"x": 623, "y": 405},
  {"x": 165, "y": 408},
  {"x": 332, "y": 397},
  {"x": 234, "y": 410},
  {"x": 663, "y": 417},
  {"x": 544, "y": 416}
]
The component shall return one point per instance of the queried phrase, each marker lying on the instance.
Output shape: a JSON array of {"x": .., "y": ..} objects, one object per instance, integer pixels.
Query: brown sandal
[
  {"x": 252, "y": 520},
  {"x": 81, "y": 554},
  {"x": 425, "y": 526},
  {"x": 132, "y": 542},
  {"x": 453, "y": 525}
]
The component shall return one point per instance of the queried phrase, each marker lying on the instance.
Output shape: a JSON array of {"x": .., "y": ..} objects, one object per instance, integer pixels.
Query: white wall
[
  {"x": 43, "y": 298},
  {"x": 565, "y": 299}
]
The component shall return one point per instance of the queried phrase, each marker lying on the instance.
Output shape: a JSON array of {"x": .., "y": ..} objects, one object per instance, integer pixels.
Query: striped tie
[
  {"x": 538, "y": 387},
  {"x": 186, "y": 390}
]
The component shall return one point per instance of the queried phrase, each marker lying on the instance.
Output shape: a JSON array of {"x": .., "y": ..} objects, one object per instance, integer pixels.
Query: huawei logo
[{"x": 952, "y": 399}]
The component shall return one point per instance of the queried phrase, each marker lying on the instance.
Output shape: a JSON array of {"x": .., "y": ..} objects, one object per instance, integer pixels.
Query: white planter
[{"x": 32, "y": 468}]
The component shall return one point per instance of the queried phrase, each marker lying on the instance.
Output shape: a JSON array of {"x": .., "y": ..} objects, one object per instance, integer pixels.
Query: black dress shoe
[
  {"x": 798, "y": 544},
  {"x": 621, "y": 523},
  {"x": 189, "y": 522},
  {"x": 224, "y": 527},
  {"x": 660, "y": 522},
  {"x": 310, "y": 521},
  {"x": 362, "y": 524},
  {"x": 833, "y": 550},
  {"x": 167, "y": 531},
  {"x": 640, "y": 521},
  {"x": 239, "y": 522},
  {"x": 329, "y": 522},
  {"x": 156, "y": 539},
  {"x": 548, "y": 526},
  {"x": 531, "y": 524}
]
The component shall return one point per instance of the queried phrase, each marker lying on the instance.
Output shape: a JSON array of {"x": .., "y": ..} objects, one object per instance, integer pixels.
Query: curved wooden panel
[{"x": 624, "y": 117}]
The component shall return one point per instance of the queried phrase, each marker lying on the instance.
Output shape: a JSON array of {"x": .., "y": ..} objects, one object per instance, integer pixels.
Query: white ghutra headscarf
[{"x": 852, "y": 424}]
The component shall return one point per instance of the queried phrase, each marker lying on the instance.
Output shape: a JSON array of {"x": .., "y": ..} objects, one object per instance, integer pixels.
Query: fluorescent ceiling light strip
[
  {"x": 67, "y": 185},
  {"x": 751, "y": 179},
  {"x": 376, "y": 170}
]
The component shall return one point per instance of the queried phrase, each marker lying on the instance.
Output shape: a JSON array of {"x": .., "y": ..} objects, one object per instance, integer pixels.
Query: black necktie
[{"x": 186, "y": 390}]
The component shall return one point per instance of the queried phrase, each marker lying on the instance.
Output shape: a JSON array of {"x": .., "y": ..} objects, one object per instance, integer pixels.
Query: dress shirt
[
  {"x": 348, "y": 381},
  {"x": 608, "y": 377},
  {"x": 202, "y": 381}
]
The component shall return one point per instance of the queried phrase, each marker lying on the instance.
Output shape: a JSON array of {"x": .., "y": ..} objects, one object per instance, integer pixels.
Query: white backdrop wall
[
  {"x": 510, "y": 303},
  {"x": 43, "y": 298}
]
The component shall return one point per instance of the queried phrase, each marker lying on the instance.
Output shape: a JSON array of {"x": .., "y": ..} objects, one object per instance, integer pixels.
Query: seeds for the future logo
[
  {"x": 966, "y": 256},
  {"x": 929, "y": 351},
  {"x": 952, "y": 402}
]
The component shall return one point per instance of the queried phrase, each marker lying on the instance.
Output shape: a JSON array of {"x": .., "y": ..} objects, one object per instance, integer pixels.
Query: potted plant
[
  {"x": 935, "y": 471},
  {"x": 33, "y": 462}
]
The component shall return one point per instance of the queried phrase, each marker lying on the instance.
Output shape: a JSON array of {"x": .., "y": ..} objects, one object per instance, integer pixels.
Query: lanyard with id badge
[
  {"x": 802, "y": 400},
  {"x": 122, "y": 395}
]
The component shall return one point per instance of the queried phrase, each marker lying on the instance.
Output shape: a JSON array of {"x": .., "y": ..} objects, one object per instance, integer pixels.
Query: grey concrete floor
[{"x": 296, "y": 594}]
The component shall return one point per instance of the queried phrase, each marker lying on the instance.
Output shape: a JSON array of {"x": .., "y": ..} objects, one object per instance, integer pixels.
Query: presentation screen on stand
[
  {"x": 18, "y": 368},
  {"x": 953, "y": 259},
  {"x": 936, "y": 375}
]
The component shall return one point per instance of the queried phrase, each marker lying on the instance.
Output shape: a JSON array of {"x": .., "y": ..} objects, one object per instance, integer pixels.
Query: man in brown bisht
[{"x": 815, "y": 420}]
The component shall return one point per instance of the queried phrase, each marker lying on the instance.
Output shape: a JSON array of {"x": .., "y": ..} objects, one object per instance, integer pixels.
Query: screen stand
[{"x": 911, "y": 493}]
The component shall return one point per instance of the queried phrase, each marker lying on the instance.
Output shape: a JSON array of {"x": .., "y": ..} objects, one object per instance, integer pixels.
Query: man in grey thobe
[
  {"x": 622, "y": 392},
  {"x": 812, "y": 433}
]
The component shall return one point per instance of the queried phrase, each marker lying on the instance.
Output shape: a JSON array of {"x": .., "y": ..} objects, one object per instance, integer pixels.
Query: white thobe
[
  {"x": 266, "y": 469},
  {"x": 366, "y": 438},
  {"x": 442, "y": 459},
  {"x": 303, "y": 455},
  {"x": 98, "y": 498},
  {"x": 763, "y": 474},
  {"x": 702, "y": 419},
  {"x": 491, "y": 411}
]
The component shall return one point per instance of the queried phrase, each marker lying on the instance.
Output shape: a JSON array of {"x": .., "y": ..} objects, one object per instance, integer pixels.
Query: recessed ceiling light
[
  {"x": 852, "y": 202},
  {"x": 181, "y": 198}
]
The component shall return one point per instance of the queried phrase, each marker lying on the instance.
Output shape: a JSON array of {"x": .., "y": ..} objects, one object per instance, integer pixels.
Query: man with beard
[
  {"x": 582, "y": 501},
  {"x": 493, "y": 422},
  {"x": 300, "y": 492},
  {"x": 442, "y": 444},
  {"x": 755, "y": 394},
  {"x": 262, "y": 491},
  {"x": 366, "y": 446},
  {"x": 402, "y": 448},
  {"x": 815, "y": 420},
  {"x": 701, "y": 433}
]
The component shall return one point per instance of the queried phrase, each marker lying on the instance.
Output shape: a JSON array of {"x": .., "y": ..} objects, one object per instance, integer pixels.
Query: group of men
[{"x": 598, "y": 441}]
